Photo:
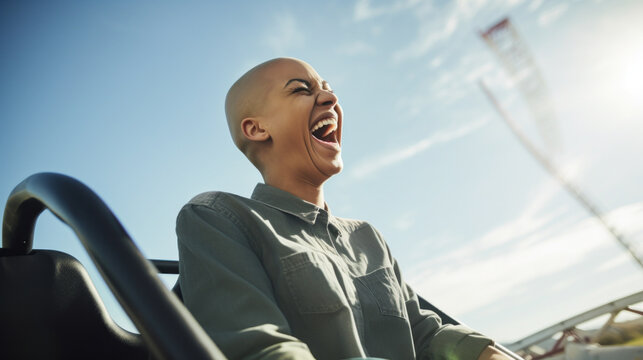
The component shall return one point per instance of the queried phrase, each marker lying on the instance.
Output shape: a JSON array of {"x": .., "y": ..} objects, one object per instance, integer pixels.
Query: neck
[{"x": 313, "y": 193}]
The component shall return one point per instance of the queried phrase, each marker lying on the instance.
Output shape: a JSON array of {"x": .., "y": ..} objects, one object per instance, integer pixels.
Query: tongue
[
  {"x": 320, "y": 133},
  {"x": 324, "y": 132}
]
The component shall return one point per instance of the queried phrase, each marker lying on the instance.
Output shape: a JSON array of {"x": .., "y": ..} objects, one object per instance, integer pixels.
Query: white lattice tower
[{"x": 515, "y": 57}]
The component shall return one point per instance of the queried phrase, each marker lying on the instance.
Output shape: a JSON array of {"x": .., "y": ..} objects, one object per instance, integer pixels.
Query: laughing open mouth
[{"x": 325, "y": 130}]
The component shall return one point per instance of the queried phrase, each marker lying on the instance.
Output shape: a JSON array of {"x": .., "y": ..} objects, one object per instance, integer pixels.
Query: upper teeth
[{"x": 323, "y": 123}]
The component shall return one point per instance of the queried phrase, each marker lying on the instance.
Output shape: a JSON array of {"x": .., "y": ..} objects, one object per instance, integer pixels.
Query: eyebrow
[
  {"x": 325, "y": 83},
  {"x": 299, "y": 80}
]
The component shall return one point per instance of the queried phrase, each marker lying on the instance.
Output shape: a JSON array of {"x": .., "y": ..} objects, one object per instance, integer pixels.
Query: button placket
[{"x": 334, "y": 236}]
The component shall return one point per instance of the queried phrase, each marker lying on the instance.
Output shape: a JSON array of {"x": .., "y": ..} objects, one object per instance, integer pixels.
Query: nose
[{"x": 327, "y": 98}]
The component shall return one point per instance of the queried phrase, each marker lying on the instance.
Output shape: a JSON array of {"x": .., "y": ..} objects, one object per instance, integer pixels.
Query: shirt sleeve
[
  {"x": 434, "y": 340},
  {"x": 227, "y": 290}
]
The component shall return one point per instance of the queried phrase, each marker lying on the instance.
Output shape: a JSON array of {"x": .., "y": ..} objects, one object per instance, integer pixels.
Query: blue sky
[{"x": 128, "y": 98}]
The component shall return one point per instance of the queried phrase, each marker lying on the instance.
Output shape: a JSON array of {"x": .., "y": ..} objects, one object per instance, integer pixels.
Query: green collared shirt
[{"x": 276, "y": 277}]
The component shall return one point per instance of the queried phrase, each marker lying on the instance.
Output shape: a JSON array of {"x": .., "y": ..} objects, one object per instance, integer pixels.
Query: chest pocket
[
  {"x": 312, "y": 283},
  {"x": 386, "y": 290}
]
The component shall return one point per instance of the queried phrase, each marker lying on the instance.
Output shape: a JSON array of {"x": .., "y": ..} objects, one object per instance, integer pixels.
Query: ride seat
[{"x": 51, "y": 310}]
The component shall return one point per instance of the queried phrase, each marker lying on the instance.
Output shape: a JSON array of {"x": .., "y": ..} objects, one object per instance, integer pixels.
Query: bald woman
[{"x": 276, "y": 275}]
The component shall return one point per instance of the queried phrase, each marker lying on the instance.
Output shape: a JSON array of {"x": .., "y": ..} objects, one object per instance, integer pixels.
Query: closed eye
[{"x": 300, "y": 89}]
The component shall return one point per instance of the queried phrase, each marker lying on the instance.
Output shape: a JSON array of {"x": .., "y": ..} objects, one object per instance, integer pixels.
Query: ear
[{"x": 253, "y": 129}]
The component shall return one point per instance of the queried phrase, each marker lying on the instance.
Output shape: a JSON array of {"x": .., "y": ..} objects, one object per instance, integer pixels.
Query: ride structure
[{"x": 534, "y": 347}]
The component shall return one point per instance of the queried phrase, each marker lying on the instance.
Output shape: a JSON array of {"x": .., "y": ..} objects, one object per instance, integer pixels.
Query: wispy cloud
[
  {"x": 429, "y": 35},
  {"x": 514, "y": 255},
  {"x": 404, "y": 221},
  {"x": 528, "y": 222},
  {"x": 356, "y": 48},
  {"x": 364, "y": 10},
  {"x": 552, "y": 14},
  {"x": 468, "y": 8},
  {"x": 615, "y": 262},
  {"x": 459, "y": 81},
  {"x": 534, "y": 5},
  {"x": 284, "y": 34},
  {"x": 371, "y": 166},
  {"x": 439, "y": 23},
  {"x": 478, "y": 72},
  {"x": 436, "y": 62},
  {"x": 452, "y": 83}
]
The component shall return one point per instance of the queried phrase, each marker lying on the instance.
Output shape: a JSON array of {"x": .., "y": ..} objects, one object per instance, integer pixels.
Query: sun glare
[
  {"x": 620, "y": 72},
  {"x": 629, "y": 74}
]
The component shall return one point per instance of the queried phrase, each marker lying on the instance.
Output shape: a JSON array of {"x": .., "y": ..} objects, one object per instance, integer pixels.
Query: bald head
[{"x": 244, "y": 99}]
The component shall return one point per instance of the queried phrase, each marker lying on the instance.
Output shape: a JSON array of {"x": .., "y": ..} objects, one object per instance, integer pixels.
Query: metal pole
[{"x": 545, "y": 163}]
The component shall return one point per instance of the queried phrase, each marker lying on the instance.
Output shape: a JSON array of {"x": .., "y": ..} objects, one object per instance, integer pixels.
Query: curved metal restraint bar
[{"x": 167, "y": 327}]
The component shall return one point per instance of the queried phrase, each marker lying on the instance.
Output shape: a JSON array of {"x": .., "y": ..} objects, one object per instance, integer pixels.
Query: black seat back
[{"x": 49, "y": 309}]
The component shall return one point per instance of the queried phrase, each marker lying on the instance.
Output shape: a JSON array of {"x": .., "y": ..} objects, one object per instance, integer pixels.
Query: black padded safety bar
[{"x": 167, "y": 327}]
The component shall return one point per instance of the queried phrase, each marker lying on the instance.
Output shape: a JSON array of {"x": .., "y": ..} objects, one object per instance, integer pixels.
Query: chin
[
  {"x": 334, "y": 168},
  {"x": 326, "y": 168},
  {"x": 339, "y": 166}
]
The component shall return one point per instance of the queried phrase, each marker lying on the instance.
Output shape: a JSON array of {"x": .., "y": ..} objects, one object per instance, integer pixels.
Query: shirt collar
[{"x": 287, "y": 202}]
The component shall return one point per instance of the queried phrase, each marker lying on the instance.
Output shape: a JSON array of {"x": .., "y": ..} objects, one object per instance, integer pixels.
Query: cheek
[{"x": 290, "y": 138}]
